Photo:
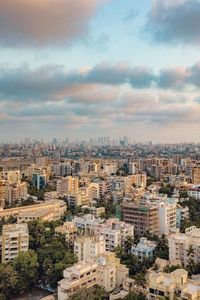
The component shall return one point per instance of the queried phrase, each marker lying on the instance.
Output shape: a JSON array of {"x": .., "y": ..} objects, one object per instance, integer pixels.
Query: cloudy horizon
[{"x": 89, "y": 68}]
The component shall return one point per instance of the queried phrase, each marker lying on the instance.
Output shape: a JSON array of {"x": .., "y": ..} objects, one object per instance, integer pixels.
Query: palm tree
[{"x": 129, "y": 242}]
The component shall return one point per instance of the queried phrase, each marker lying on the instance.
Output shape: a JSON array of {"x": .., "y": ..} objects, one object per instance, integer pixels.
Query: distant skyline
[{"x": 88, "y": 68}]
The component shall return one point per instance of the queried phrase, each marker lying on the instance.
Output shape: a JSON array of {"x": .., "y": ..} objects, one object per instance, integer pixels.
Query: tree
[
  {"x": 94, "y": 293},
  {"x": 129, "y": 242},
  {"x": 134, "y": 296},
  {"x": 53, "y": 259},
  {"x": 26, "y": 266},
  {"x": 162, "y": 248},
  {"x": 8, "y": 281}
]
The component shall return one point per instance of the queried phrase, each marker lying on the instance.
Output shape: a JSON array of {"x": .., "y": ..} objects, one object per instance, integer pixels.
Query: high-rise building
[
  {"x": 196, "y": 175},
  {"x": 143, "y": 217}
]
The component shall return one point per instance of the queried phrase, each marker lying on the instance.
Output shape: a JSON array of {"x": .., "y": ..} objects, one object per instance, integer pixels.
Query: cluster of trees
[
  {"x": 33, "y": 191},
  {"x": 138, "y": 268},
  {"x": 194, "y": 213},
  {"x": 166, "y": 189},
  {"x": 42, "y": 265},
  {"x": 99, "y": 293},
  {"x": 20, "y": 275}
]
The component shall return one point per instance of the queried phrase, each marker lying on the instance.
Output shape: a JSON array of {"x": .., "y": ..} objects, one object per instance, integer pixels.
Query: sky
[{"x": 88, "y": 68}]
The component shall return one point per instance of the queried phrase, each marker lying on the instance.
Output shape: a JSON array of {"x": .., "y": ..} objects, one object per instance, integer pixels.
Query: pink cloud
[{"x": 41, "y": 22}]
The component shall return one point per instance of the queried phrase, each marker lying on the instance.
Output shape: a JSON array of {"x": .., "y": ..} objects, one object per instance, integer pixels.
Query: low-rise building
[
  {"x": 58, "y": 207},
  {"x": 174, "y": 285},
  {"x": 82, "y": 275},
  {"x": 106, "y": 271},
  {"x": 45, "y": 214},
  {"x": 144, "y": 249}
]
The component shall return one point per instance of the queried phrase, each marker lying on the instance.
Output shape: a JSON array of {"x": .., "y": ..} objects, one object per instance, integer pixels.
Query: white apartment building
[
  {"x": 115, "y": 232},
  {"x": 194, "y": 192},
  {"x": 126, "y": 230},
  {"x": 86, "y": 224},
  {"x": 167, "y": 217},
  {"x": 89, "y": 248},
  {"x": 15, "y": 239},
  {"x": 144, "y": 249},
  {"x": 180, "y": 243},
  {"x": 112, "y": 238}
]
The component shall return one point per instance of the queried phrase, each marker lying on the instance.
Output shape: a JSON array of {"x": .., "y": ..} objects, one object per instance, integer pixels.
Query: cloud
[
  {"x": 44, "y": 22},
  {"x": 55, "y": 83},
  {"x": 174, "y": 22}
]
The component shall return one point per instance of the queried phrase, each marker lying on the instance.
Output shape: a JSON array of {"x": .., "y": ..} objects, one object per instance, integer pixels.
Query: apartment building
[
  {"x": 15, "y": 239},
  {"x": 144, "y": 217},
  {"x": 106, "y": 271},
  {"x": 86, "y": 224},
  {"x": 67, "y": 185},
  {"x": 111, "y": 272},
  {"x": 115, "y": 232},
  {"x": 69, "y": 230},
  {"x": 11, "y": 177},
  {"x": 16, "y": 192},
  {"x": 167, "y": 216},
  {"x": 97, "y": 212},
  {"x": 144, "y": 249},
  {"x": 3, "y": 193},
  {"x": 196, "y": 175},
  {"x": 93, "y": 190},
  {"x": 89, "y": 247},
  {"x": 174, "y": 285},
  {"x": 82, "y": 275},
  {"x": 139, "y": 180},
  {"x": 194, "y": 191},
  {"x": 180, "y": 245}
]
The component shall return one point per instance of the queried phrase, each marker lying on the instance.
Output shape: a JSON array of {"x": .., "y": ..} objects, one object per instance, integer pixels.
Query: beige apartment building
[
  {"x": 69, "y": 230},
  {"x": 143, "y": 217},
  {"x": 89, "y": 248},
  {"x": 11, "y": 177},
  {"x": 82, "y": 275},
  {"x": 15, "y": 239},
  {"x": 106, "y": 271},
  {"x": 67, "y": 185},
  {"x": 180, "y": 243},
  {"x": 196, "y": 175},
  {"x": 174, "y": 285},
  {"x": 139, "y": 180},
  {"x": 3, "y": 193}
]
